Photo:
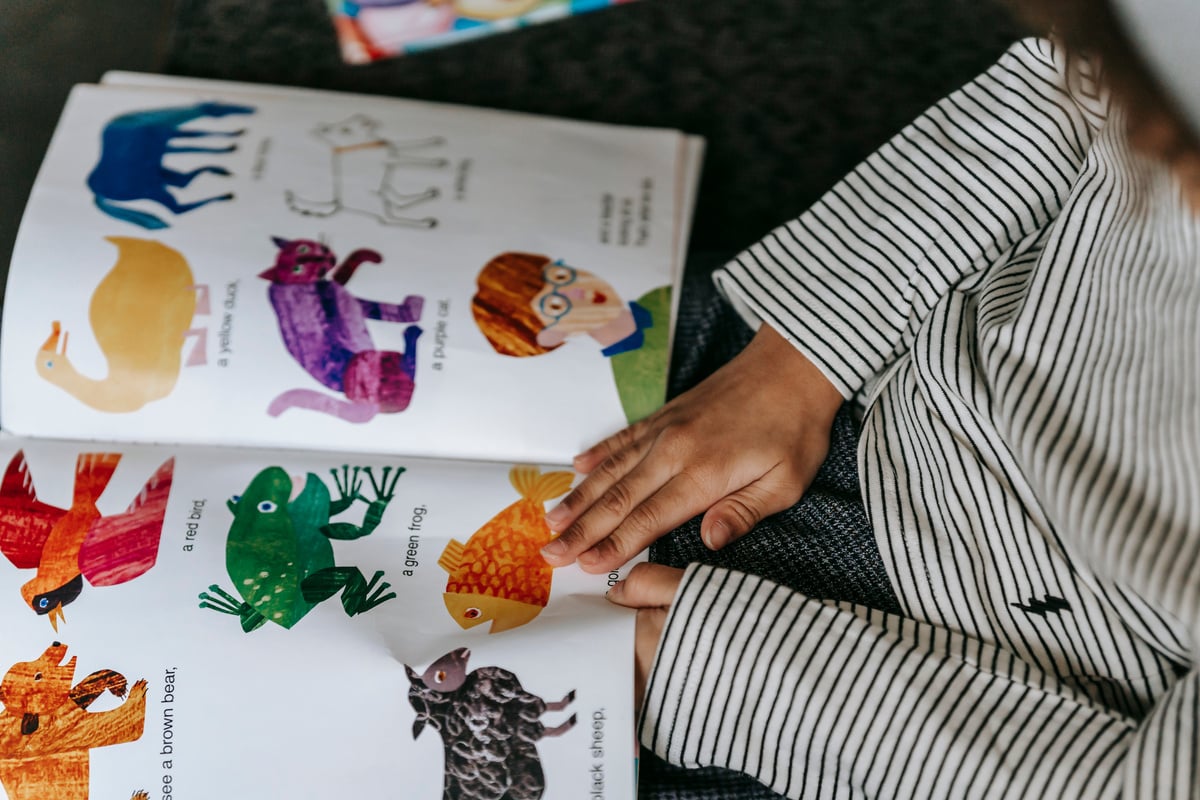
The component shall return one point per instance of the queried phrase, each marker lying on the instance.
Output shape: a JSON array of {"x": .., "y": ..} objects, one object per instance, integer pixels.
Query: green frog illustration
[{"x": 279, "y": 555}]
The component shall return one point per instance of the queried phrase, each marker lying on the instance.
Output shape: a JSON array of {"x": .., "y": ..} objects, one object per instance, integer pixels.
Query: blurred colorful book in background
[{"x": 370, "y": 30}]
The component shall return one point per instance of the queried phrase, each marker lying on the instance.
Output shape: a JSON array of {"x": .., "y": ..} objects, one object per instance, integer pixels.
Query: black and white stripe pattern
[{"x": 1017, "y": 297}]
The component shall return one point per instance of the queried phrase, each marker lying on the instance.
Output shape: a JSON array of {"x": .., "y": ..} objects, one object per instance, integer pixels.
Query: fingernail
[
  {"x": 588, "y": 557},
  {"x": 615, "y": 590},
  {"x": 556, "y": 515},
  {"x": 718, "y": 535},
  {"x": 554, "y": 550}
]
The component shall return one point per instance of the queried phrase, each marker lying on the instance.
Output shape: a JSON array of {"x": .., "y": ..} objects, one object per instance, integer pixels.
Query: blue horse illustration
[{"x": 132, "y": 149}]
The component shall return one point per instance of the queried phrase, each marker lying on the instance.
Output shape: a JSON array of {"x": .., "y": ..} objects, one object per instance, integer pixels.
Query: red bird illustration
[{"x": 67, "y": 545}]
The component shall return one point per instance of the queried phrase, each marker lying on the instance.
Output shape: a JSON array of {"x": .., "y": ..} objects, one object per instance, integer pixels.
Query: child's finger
[
  {"x": 612, "y": 470},
  {"x": 734, "y": 515},
  {"x": 609, "y": 508},
  {"x": 681, "y": 497},
  {"x": 595, "y": 455},
  {"x": 647, "y": 586}
]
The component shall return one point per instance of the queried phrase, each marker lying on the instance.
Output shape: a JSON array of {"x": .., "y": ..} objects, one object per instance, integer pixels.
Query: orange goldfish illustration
[
  {"x": 499, "y": 574},
  {"x": 68, "y": 545}
]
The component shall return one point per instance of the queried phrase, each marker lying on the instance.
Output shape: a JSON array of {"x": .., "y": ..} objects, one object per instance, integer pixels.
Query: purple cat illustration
[{"x": 324, "y": 327}]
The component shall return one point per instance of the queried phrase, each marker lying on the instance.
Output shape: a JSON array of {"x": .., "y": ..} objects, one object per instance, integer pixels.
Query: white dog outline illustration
[{"x": 358, "y": 151}]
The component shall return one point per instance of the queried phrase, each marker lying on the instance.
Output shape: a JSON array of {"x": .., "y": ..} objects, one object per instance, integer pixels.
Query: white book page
[
  {"x": 602, "y": 200},
  {"x": 313, "y": 701}
]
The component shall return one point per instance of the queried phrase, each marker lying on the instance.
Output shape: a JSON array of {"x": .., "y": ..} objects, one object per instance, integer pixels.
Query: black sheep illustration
[{"x": 488, "y": 724}]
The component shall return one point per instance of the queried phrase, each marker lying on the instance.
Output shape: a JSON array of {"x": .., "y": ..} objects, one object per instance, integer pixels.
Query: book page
[
  {"x": 341, "y": 272},
  {"x": 212, "y": 623}
]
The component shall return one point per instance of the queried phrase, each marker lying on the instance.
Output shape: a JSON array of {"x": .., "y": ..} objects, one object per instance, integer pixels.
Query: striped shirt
[{"x": 1014, "y": 296}]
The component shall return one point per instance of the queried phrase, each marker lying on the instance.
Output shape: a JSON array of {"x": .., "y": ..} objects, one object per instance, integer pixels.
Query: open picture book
[{"x": 290, "y": 379}]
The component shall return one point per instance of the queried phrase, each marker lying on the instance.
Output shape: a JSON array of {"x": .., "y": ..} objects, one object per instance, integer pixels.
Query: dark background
[{"x": 46, "y": 46}]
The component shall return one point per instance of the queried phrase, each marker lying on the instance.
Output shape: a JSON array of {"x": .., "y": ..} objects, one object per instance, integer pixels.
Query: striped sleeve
[
  {"x": 850, "y": 281},
  {"x": 820, "y": 701}
]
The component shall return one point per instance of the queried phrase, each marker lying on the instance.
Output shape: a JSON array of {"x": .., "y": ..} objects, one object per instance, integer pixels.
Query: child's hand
[
  {"x": 742, "y": 445},
  {"x": 650, "y": 588}
]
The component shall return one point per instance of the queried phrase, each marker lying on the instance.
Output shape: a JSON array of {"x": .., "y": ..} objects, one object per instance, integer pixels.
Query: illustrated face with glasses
[{"x": 573, "y": 301}]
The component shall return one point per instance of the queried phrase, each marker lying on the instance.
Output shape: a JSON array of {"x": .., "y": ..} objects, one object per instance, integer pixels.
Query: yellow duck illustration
[
  {"x": 499, "y": 574},
  {"x": 140, "y": 314}
]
